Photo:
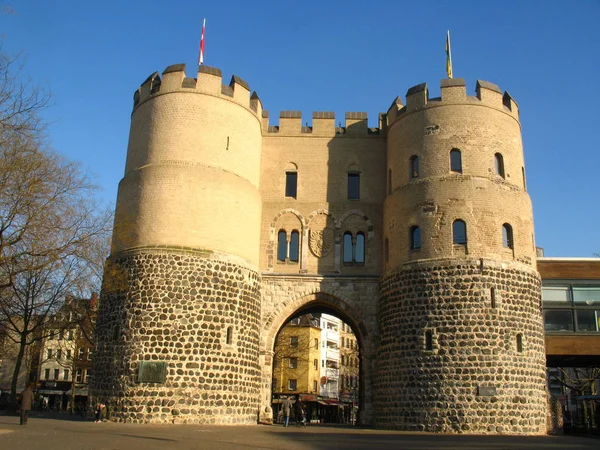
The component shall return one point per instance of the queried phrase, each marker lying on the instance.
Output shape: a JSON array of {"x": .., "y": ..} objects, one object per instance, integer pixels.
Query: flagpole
[
  {"x": 448, "y": 56},
  {"x": 201, "y": 52}
]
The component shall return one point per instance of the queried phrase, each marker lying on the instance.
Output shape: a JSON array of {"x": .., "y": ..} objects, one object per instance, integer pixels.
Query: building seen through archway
[{"x": 316, "y": 364}]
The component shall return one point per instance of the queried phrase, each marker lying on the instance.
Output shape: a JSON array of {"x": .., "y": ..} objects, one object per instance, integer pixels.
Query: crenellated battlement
[
  {"x": 453, "y": 92},
  {"x": 209, "y": 82},
  {"x": 323, "y": 125}
]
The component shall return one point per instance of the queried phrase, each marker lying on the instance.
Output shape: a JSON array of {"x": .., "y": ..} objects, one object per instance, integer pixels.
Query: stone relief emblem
[{"x": 320, "y": 241}]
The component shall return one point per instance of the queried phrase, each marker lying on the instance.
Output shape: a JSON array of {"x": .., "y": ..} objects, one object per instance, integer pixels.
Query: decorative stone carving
[{"x": 320, "y": 241}]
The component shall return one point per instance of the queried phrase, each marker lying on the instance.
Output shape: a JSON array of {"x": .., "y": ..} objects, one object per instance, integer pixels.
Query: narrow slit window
[
  {"x": 359, "y": 249},
  {"x": 414, "y": 167},
  {"x": 281, "y": 245},
  {"x": 455, "y": 161},
  {"x": 493, "y": 297},
  {"x": 295, "y": 246},
  {"x": 386, "y": 250},
  {"x": 499, "y": 164},
  {"x": 459, "y": 232},
  {"x": 291, "y": 184},
  {"x": 428, "y": 340},
  {"x": 353, "y": 186},
  {"x": 507, "y": 236},
  {"x": 524, "y": 180},
  {"x": 520, "y": 343},
  {"x": 229, "y": 335},
  {"x": 415, "y": 238}
]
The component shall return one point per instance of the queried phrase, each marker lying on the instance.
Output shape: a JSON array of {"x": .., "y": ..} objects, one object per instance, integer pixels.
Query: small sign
[
  {"x": 152, "y": 372},
  {"x": 486, "y": 391}
]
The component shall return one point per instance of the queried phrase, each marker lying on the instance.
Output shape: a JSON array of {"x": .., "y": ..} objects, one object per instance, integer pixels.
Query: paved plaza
[{"x": 60, "y": 432}]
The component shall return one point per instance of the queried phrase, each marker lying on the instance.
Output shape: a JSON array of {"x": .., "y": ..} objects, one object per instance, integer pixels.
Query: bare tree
[{"x": 50, "y": 225}]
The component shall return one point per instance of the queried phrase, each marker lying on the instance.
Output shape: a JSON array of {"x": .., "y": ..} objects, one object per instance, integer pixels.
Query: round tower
[
  {"x": 461, "y": 330},
  {"x": 178, "y": 327}
]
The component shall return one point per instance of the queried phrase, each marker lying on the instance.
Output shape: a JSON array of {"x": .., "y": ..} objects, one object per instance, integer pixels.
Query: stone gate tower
[
  {"x": 181, "y": 297},
  {"x": 419, "y": 233},
  {"x": 461, "y": 334}
]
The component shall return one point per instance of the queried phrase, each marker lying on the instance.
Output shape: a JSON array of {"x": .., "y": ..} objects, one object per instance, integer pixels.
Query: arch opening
[{"x": 318, "y": 363}]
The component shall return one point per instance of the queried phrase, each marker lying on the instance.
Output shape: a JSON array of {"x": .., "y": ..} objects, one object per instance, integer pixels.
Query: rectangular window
[
  {"x": 291, "y": 184},
  {"x": 558, "y": 320},
  {"x": 69, "y": 354},
  {"x": 588, "y": 319},
  {"x": 315, "y": 386},
  {"x": 353, "y": 186},
  {"x": 49, "y": 353},
  {"x": 586, "y": 296},
  {"x": 70, "y": 335},
  {"x": 89, "y": 354},
  {"x": 556, "y": 294},
  {"x": 66, "y": 375},
  {"x": 86, "y": 375},
  {"x": 316, "y": 364},
  {"x": 79, "y": 376},
  {"x": 316, "y": 343},
  {"x": 293, "y": 363},
  {"x": 47, "y": 374},
  {"x": 293, "y": 341},
  {"x": 56, "y": 373},
  {"x": 81, "y": 353},
  {"x": 292, "y": 385},
  {"x": 58, "y": 354}
]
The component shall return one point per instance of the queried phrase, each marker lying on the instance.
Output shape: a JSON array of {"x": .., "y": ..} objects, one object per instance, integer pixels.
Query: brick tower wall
[
  {"x": 182, "y": 286},
  {"x": 461, "y": 331}
]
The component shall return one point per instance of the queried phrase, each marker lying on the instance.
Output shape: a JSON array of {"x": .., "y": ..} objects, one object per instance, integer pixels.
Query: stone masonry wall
[
  {"x": 461, "y": 349},
  {"x": 176, "y": 306}
]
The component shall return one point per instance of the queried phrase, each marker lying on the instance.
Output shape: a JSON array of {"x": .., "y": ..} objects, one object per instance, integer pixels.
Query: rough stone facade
[
  {"x": 482, "y": 369},
  {"x": 164, "y": 305},
  {"x": 226, "y": 226}
]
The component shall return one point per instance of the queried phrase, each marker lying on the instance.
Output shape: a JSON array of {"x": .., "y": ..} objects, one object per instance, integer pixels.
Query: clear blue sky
[{"x": 334, "y": 56}]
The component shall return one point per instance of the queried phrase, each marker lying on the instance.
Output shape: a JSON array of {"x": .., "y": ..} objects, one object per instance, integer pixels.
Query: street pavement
[{"x": 48, "y": 432}]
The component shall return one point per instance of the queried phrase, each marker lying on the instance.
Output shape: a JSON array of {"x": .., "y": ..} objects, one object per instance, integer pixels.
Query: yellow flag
[{"x": 448, "y": 56}]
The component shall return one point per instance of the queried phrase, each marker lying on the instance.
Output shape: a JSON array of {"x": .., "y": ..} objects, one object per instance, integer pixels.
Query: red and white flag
[{"x": 201, "y": 56}]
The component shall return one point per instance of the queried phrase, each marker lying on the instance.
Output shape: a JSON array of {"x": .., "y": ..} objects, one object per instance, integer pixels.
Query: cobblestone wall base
[
  {"x": 461, "y": 349},
  {"x": 198, "y": 314}
]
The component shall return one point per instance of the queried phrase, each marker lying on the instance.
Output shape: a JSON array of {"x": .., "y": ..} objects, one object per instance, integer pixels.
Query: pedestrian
[
  {"x": 300, "y": 414},
  {"x": 26, "y": 403},
  {"x": 99, "y": 410},
  {"x": 287, "y": 409}
]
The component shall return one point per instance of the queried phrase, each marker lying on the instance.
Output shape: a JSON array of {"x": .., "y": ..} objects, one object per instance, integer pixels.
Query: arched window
[
  {"x": 507, "y": 236},
  {"x": 455, "y": 161},
  {"x": 414, "y": 166},
  {"x": 354, "y": 248},
  {"x": 347, "y": 247},
  {"x": 281, "y": 245},
  {"x": 359, "y": 249},
  {"x": 499, "y": 164},
  {"x": 389, "y": 181},
  {"x": 295, "y": 246},
  {"x": 415, "y": 238},
  {"x": 459, "y": 232}
]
